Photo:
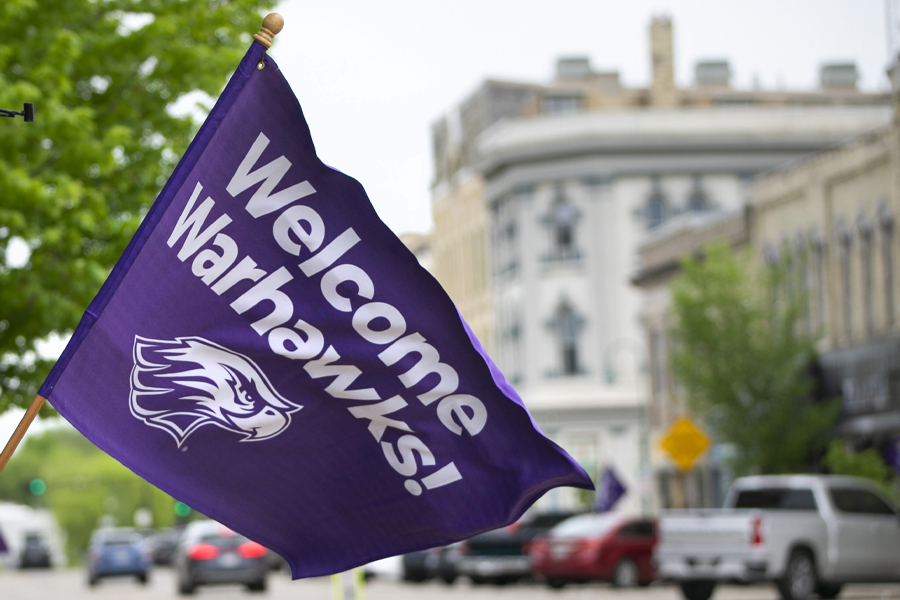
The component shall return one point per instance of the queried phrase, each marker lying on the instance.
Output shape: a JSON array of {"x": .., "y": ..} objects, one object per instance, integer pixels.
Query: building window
[
  {"x": 886, "y": 221},
  {"x": 656, "y": 211},
  {"x": 567, "y": 325},
  {"x": 554, "y": 105},
  {"x": 845, "y": 240},
  {"x": 803, "y": 280},
  {"x": 818, "y": 250},
  {"x": 866, "y": 231},
  {"x": 658, "y": 350},
  {"x": 563, "y": 220},
  {"x": 697, "y": 201}
]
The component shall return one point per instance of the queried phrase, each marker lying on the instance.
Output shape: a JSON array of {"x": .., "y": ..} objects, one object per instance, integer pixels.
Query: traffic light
[{"x": 37, "y": 487}]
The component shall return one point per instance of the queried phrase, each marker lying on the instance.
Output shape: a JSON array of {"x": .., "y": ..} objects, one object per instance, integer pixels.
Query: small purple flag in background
[
  {"x": 268, "y": 352},
  {"x": 892, "y": 455},
  {"x": 3, "y": 547},
  {"x": 609, "y": 490}
]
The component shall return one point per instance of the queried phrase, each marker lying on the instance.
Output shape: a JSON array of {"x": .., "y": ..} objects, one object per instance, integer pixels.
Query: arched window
[
  {"x": 656, "y": 207},
  {"x": 818, "y": 256},
  {"x": 866, "y": 230},
  {"x": 563, "y": 220},
  {"x": 697, "y": 201},
  {"x": 886, "y": 223},
  {"x": 844, "y": 238}
]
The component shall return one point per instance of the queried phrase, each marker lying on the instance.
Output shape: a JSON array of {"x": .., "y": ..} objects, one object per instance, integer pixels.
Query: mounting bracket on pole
[{"x": 27, "y": 112}]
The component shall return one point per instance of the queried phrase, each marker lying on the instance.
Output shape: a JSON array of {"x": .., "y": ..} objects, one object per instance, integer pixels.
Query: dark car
[
  {"x": 162, "y": 546},
  {"x": 118, "y": 552},
  {"x": 211, "y": 554},
  {"x": 501, "y": 556},
  {"x": 598, "y": 547},
  {"x": 35, "y": 552},
  {"x": 424, "y": 565}
]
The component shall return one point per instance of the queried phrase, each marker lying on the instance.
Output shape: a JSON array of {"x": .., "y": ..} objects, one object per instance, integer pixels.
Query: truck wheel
[
  {"x": 697, "y": 590},
  {"x": 625, "y": 574},
  {"x": 800, "y": 580},
  {"x": 828, "y": 591}
]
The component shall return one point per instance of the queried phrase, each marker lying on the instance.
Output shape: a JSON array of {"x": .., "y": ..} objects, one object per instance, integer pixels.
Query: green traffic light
[
  {"x": 37, "y": 487},
  {"x": 182, "y": 509}
]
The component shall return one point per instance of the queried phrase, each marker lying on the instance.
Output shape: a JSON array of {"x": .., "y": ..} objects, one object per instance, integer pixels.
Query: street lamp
[{"x": 27, "y": 112}]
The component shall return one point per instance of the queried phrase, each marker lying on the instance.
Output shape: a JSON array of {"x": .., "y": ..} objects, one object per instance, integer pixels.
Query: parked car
[
  {"x": 594, "y": 547},
  {"x": 162, "y": 546},
  {"x": 209, "y": 554},
  {"x": 501, "y": 556},
  {"x": 35, "y": 553},
  {"x": 807, "y": 534},
  {"x": 440, "y": 562},
  {"x": 117, "y": 552}
]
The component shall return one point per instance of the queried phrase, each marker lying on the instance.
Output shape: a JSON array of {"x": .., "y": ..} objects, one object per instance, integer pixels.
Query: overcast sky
[{"x": 372, "y": 76}]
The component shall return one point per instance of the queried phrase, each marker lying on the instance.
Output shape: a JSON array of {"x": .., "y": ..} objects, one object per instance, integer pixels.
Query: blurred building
[
  {"x": 420, "y": 245},
  {"x": 833, "y": 216},
  {"x": 542, "y": 194}
]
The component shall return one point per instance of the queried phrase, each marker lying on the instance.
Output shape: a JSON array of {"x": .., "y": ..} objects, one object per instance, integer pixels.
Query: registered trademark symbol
[{"x": 184, "y": 449}]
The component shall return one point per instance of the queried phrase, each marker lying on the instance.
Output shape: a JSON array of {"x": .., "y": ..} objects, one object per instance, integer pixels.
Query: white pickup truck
[{"x": 808, "y": 534}]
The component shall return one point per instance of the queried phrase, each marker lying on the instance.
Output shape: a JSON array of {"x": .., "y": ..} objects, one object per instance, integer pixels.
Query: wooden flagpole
[
  {"x": 19, "y": 433},
  {"x": 271, "y": 25}
]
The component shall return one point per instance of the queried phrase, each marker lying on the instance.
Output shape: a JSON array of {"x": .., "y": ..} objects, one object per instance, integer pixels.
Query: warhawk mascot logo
[{"x": 183, "y": 384}]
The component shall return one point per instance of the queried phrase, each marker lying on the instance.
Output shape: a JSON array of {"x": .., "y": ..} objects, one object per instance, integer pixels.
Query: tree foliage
[
  {"x": 867, "y": 464},
  {"x": 743, "y": 361},
  {"x": 83, "y": 485},
  {"x": 74, "y": 185}
]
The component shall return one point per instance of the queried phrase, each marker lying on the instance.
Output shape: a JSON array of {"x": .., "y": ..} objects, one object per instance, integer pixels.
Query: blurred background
[{"x": 671, "y": 224}]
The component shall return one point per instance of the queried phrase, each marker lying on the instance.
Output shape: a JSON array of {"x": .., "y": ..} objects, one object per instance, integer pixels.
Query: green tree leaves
[
  {"x": 742, "y": 357},
  {"x": 82, "y": 484},
  {"x": 75, "y": 184}
]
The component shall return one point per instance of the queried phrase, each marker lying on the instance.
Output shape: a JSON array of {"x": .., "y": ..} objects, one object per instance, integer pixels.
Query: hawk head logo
[{"x": 183, "y": 384}]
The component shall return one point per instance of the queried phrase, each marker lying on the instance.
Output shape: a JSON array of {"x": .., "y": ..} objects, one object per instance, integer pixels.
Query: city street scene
[{"x": 395, "y": 300}]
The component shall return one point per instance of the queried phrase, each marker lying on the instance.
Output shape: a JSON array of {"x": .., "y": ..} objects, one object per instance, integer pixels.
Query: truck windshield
[{"x": 776, "y": 499}]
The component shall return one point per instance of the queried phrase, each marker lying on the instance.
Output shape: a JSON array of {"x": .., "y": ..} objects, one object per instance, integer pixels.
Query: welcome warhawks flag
[{"x": 268, "y": 352}]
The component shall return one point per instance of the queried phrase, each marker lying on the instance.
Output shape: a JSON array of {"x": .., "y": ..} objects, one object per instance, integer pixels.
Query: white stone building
[{"x": 559, "y": 184}]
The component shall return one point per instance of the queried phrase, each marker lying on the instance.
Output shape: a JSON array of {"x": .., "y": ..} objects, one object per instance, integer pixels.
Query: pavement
[{"x": 71, "y": 584}]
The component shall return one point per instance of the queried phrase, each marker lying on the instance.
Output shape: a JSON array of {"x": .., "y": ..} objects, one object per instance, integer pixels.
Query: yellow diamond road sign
[{"x": 684, "y": 442}]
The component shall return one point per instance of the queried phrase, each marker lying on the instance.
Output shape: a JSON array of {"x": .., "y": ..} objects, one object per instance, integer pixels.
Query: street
[{"x": 70, "y": 584}]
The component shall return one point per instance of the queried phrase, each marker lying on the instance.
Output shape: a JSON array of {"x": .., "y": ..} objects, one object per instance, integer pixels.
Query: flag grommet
[{"x": 260, "y": 66}]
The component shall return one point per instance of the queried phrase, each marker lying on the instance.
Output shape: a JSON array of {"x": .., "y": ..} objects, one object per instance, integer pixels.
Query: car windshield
[
  {"x": 119, "y": 538},
  {"x": 584, "y": 526}
]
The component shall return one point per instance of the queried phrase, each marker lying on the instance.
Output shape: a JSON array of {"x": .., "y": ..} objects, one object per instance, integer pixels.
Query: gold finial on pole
[{"x": 271, "y": 25}]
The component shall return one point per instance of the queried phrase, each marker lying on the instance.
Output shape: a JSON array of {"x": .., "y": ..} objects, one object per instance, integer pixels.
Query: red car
[{"x": 596, "y": 547}]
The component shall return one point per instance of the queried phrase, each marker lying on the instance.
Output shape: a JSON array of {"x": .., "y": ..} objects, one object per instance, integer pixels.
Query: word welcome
[{"x": 299, "y": 230}]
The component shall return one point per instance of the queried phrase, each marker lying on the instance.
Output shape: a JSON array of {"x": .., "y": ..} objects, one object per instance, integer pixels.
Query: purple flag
[
  {"x": 3, "y": 547},
  {"x": 892, "y": 455},
  {"x": 269, "y": 353},
  {"x": 609, "y": 490}
]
